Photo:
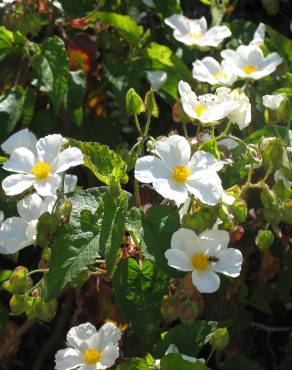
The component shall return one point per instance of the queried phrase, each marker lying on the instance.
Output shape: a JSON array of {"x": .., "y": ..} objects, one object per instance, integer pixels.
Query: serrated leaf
[
  {"x": 52, "y": 69},
  {"x": 11, "y": 108},
  {"x": 138, "y": 291},
  {"x": 175, "y": 361},
  {"x": 75, "y": 95},
  {"x": 76, "y": 244},
  {"x": 102, "y": 161}
]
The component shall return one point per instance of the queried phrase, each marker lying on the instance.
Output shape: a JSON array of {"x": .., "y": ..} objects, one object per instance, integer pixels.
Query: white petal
[
  {"x": 67, "y": 359},
  {"x": 70, "y": 183},
  {"x": 273, "y": 101},
  {"x": 156, "y": 78},
  {"x": 206, "y": 281},
  {"x": 79, "y": 335},
  {"x": 227, "y": 198},
  {"x": 174, "y": 151},
  {"x": 229, "y": 143},
  {"x": 109, "y": 355},
  {"x": 49, "y": 147},
  {"x": 109, "y": 333},
  {"x": 49, "y": 186},
  {"x": 69, "y": 157},
  {"x": 178, "y": 259},
  {"x": 21, "y": 160},
  {"x": 217, "y": 240},
  {"x": 149, "y": 168},
  {"x": 13, "y": 235},
  {"x": 22, "y": 138},
  {"x": 177, "y": 22},
  {"x": 230, "y": 261},
  {"x": 204, "y": 161},
  {"x": 29, "y": 208},
  {"x": 208, "y": 188},
  {"x": 17, "y": 184},
  {"x": 172, "y": 190},
  {"x": 187, "y": 241}
]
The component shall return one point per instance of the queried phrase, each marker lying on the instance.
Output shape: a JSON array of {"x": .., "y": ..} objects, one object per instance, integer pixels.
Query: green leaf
[
  {"x": 126, "y": 26},
  {"x": 76, "y": 244},
  {"x": 11, "y": 108},
  {"x": 138, "y": 291},
  {"x": 268, "y": 131},
  {"x": 167, "y": 8},
  {"x": 175, "y": 362},
  {"x": 112, "y": 229},
  {"x": 102, "y": 162},
  {"x": 134, "y": 364},
  {"x": 240, "y": 363},
  {"x": 210, "y": 146},
  {"x": 52, "y": 69},
  {"x": 281, "y": 43},
  {"x": 189, "y": 339},
  {"x": 9, "y": 42},
  {"x": 75, "y": 95}
]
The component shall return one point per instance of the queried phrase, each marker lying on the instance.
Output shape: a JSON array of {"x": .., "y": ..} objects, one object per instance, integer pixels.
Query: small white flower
[
  {"x": 37, "y": 163},
  {"x": 210, "y": 71},
  {"x": 204, "y": 255},
  {"x": 156, "y": 78},
  {"x": 89, "y": 349},
  {"x": 248, "y": 61},
  {"x": 205, "y": 108},
  {"x": 17, "y": 233},
  {"x": 174, "y": 172},
  {"x": 273, "y": 101},
  {"x": 241, "y": 114},
  {"x": 173, "y": 349},
  {"x": 195, "y": 31},
  {"x": 259, "y": 35}
]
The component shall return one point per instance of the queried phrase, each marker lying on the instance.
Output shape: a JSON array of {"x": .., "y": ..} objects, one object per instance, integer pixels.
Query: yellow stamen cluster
[
  {"x": 91, "y": 356},
  {"x": 181, "y": 174},
  {"x": 220, "y": 74},
  {"x": 250, "y": 69},
  {"x": 195, "y": 35},
  {"x": 200, "y": 261},
  {"x": 200, "y": 109},
  {"x": 41, "y": 170}
]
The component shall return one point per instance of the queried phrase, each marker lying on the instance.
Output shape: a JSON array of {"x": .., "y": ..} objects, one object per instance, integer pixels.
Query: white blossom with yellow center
[
  {"x": 89, "y": 349},
  {"x": 175, "y": 173},
  {"x": 204, "y": 256},
  {"x": 38, "y": 163},
  {"x": 210, "y": 71},
  {"x": 205, "y": 108},
  {"x": 249, "y": 62},
  {"x": 195, "y": 31}
]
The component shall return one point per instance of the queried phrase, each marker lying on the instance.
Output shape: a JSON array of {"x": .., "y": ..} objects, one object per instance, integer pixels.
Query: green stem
[
  {"x": 210, "y": 355},
  {"x": 185, "y": 130},
  {"x": 137, "y": 194},
  {"x": 38, "y": 271},
  {"x": 137, "y": 123}
]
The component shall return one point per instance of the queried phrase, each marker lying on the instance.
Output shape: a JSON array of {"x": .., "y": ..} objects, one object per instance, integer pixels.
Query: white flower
[
  {"x": 259, "y": 35},
  {"x": 37, "y": 163},
  {"x": 248, "y": 61},
  {"x": 204, "y": 255},
  {"x": 273, "y": 101},
  {"x": 89, "y": 349},
  {"x": 173, "y": 349},
  {"x": 241, "y": 114},
  {"x": 4, "y": 3},
  {"x": 156, "y": 78},
  {"x": 210, "y": 71},
  {"x": 195, "y": 32},
  {"x": 205, "y": 108},
  {"x": 174, "y": 172},
  {"x": 17, "y": 233}
]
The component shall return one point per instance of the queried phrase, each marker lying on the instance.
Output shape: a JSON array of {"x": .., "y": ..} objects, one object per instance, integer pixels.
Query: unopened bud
[
  {"x": 219, "y": 339},
  {"x": 264, "y": 239}
]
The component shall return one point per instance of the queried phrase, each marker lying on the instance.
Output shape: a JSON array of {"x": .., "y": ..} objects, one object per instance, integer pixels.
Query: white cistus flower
[
  {"x": 210, "y": 71},
  {"x": 259, "y": 35},
  {"x": 38, "y": 163},
  {"x": 172, "y": 348},
  {"x": 205, "y": 108},
  {"x": 195, "y": 31},
  {"x": 156, "y": 78},
  {"x": 17, "y": 233},
  {"x": 241, "y": 114},
  {"x": 249, "y": 62},
  {"x": 273, "y": 101},
  {"x": 174, "y": 172},
  {"x": 89, "y": 349},
  {"x": 204, "y": 255}
]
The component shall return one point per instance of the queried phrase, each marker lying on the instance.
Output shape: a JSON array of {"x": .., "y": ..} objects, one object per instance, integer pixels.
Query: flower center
[
  {"x": 200, "y": 109},
  {"x": 200, "y": 261},
  {"x": 220, "y": 74},
  {"x": 250, "y": 69},
  {"x": 41, "y": 170},
  {"x": 91, "y": 356},
  {"x": 195, "y": 35},
  {"x": 181, "y": 174}
]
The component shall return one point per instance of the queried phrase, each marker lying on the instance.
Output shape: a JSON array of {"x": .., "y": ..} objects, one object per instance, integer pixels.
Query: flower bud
[
  {"x": 272, "y": 152},
  {"x": 134, "y": 103},
  {"x": 150, "y": 104},
  {"x": 17, "y": 304},
  {"x": 273, "y": 215},
  {"x": 264, "y": 239},
  {"x": 20, "y": 282},
  {"x": 219, "y": 339},
  {"x": 268, "y": 197},
  {"x": 45, "y": 311},
  {"x": 239, "y": 210}
]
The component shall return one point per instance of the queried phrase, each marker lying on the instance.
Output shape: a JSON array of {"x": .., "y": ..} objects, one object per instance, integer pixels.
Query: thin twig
[{"x": 271, "y": 329}]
